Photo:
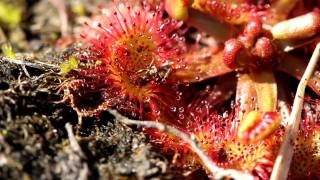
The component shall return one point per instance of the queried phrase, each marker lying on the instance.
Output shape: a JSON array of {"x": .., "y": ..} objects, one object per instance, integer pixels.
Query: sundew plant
[{"x": 221, "y": 71}]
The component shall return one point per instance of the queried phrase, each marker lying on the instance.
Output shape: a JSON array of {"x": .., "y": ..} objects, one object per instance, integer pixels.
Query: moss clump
[
  {"x": 10, "y": 15},
  {"x": 7, "y": 50},
  {"x": 69, "y": 65}
]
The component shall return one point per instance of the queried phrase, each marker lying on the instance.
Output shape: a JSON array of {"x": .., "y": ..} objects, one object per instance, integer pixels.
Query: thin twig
[
  {"x": 283, "y": 161},
  {"x": 217, "y": 172},
  {"x": 73, "y": 141},
  {"x": 35, "y": 64},
  {"x": 25, "y": 71},
  {"x": 84, "y": 172}
]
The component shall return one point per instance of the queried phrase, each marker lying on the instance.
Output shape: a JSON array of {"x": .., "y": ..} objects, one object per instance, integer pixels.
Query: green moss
[
  {"x": 79, "y": 9},
  {"x": 69, "y": 65},
  {"x": 10, "y": 15},
  {"x": 8, "y": 51}
]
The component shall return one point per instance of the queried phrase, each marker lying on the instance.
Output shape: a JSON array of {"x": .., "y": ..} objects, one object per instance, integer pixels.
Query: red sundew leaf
[
  {"x": 169, "y": 106},
  {"x": 305, "y": 162},
  {"x": 296, "y": 67},
  {"x": 166, "y": 110},
  {"x": 179, "y": 109},
  {"x": 199, "y": 66},
  {"x": 254, "y": 158},
  {"x": 306, "y": 158},
  {"x": 125, "y": 60},
  {"x": 214, "y": 135}
]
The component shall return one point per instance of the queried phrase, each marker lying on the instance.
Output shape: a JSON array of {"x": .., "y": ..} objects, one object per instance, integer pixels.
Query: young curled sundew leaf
[
  {"x": 264, "y": 50},
  {"x": 129, "y": 55},
  {"x": 252, "y": 30},
  {"x": 234, "y": 54}
]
